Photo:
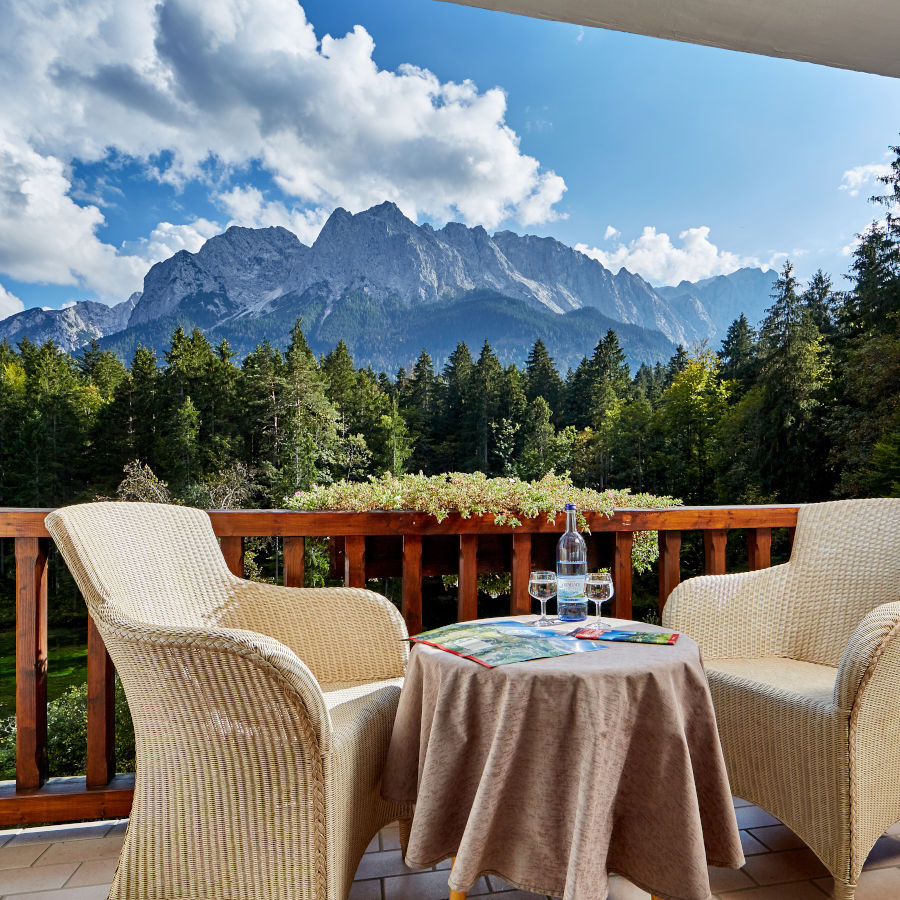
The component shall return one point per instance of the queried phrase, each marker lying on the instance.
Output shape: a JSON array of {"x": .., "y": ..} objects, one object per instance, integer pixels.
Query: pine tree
[
  {"x": 819, "y": 299},
  {"x": 542, "y": 379},
  {"x": 739, "y": 354},
  {"x": 419, "y": 405},
  {"x": 454, "y": 440},
  {"x": 793, "y": 372},
  {"x": 485, "y": 386}
]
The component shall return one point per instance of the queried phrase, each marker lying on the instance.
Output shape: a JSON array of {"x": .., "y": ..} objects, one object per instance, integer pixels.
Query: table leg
[{"x": 456, "y": 895}]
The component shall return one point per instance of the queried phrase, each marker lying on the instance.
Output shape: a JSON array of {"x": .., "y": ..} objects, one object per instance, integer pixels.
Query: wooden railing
[{"x": 362, "y": 546}]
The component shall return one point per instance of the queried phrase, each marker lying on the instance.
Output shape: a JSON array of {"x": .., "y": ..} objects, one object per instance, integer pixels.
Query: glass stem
[{"x": 543, "y": 609}]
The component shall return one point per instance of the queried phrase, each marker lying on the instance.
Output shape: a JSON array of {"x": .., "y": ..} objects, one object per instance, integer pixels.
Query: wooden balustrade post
[
  {"x": 759, "y": 548},
  {"x": 669, "y": 564},
  {"x": 622, "y": 574},
  {"x": 101, "y": 711},
  {"x": 411, "y": 599},
  {"x": 233, "y": 551},
  {"x": 294, "y": 562},
  {"x": 355, "y": 561},
  {"x": 520, "y": 566},
  {"x": 714, "y": 541},
  {"x": 467, "y": 590},
  {"x": 31, "y": 661}
]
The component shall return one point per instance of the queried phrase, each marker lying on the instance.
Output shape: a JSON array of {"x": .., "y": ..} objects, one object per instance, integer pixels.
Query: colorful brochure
[
  {"x": 593, "y": 633},
  {"x": 500, "y": 643}
]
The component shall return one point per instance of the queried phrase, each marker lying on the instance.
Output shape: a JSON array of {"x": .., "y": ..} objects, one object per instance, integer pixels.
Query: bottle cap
[{"x": 570, "y": 506}]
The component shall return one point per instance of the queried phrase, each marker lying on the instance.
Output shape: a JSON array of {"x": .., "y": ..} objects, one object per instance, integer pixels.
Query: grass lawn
[{"x": 66, "y": 664}]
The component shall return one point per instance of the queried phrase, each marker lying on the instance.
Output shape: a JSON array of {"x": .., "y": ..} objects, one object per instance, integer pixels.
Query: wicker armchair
[
  {"x": 262, "y": 721},
  {"x": 803, "y": 662}
]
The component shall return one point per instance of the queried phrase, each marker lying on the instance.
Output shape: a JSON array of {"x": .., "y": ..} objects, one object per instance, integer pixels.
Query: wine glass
[
  {"x": 598, "y": 586},
  {"x": 542, "y": 586}
]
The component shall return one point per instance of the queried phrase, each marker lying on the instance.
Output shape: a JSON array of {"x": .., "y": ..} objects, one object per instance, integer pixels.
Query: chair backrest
[
  {"x": 845, "y": 562},
  {"x": 145, "y": 563}
]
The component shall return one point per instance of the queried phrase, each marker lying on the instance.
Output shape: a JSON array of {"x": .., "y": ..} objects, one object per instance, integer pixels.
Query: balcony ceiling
[{"x": 850, "y": 34}]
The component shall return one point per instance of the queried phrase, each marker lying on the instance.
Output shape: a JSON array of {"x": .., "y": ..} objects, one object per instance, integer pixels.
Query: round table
[{"x": 553, "y": 772}]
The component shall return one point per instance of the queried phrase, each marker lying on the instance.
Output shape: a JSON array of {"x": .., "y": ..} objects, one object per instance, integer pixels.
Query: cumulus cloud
[
  {"x": 853, "y": 179},
  {"x": 10, "y": 304},
  {"x": 656, "y": 258},
  {"x": 248, "y": 206},
  {"x": 209, "y": 92},
  {"x": 611, "y": 232}
]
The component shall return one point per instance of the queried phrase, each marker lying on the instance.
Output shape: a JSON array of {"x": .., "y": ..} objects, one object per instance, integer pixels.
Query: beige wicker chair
[
  {"x": 803, "y": 662},
  {"x": 262, "y": 714}
]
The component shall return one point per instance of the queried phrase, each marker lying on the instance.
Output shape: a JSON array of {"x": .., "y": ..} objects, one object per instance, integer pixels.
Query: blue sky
[{"x": 127, "y": 134}]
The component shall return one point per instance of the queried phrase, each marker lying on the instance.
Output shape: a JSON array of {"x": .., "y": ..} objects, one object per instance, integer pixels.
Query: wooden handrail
[{"x": 408, "y": 544}]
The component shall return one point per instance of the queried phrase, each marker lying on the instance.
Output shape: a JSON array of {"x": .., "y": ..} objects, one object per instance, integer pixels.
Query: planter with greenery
[{"x": 508, "y": 500}]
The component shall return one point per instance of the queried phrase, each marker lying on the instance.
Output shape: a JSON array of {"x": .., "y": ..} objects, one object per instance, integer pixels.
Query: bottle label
[{"x": 569, "y": 586}]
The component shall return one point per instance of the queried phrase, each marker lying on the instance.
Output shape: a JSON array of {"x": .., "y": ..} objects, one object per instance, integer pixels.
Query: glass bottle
[{"x": 571, "y": 569}]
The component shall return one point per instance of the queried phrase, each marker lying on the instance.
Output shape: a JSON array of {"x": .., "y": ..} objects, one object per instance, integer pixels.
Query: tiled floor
[{"x": 76, "y": 862}]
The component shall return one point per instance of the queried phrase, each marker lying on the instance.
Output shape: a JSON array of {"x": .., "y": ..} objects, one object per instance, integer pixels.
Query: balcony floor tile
[{"x": 77, "y": 862}]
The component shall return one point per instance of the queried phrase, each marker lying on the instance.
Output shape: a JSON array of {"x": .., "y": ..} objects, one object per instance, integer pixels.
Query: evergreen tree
[
  {"x": 739, "y": 354},
  {"x": 454, "y": 440},
  {"x": 793, "y": 372},
  {"x": 542, "y": 379},
  {"x": 485, "y": 391},
  {"x": 419, "y": 404},
  {"x": 819, "y": 299}
]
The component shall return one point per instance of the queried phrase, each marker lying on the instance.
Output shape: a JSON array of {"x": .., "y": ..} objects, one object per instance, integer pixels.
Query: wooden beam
[
  {"x": 622, "y": 575},
  {"x": 24, "y": 522},
  {"x": 759, "y": 548},
  {"x": 411, "y": 599},
  {"x": 233, "y": 551},
  {"x": 669, "y": 564},
  {"x": 467, "y": 591},
  {"x": 294, "y": 561},
  {"x": 31, "y": 662},
  {"x": 66, "y": 800},
  {"x": 355, "y": 561},
  {"x": 520, "y": 566},
  {"x": 101, "y": 711},
  {"x": 714, "y": 542}
]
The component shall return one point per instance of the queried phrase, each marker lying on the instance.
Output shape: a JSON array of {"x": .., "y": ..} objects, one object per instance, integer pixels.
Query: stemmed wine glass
[
  {"x": 598, "y": 586},
  {"x": 542, "y": 586}
]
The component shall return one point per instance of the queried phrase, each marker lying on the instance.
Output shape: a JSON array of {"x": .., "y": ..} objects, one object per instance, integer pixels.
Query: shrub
[
  {"x": 67, "y": 735},
  {"x": 509, "y": 500}
]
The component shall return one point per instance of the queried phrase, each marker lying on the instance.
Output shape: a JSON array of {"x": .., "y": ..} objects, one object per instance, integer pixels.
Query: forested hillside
[{"x": 807, "y": 409}]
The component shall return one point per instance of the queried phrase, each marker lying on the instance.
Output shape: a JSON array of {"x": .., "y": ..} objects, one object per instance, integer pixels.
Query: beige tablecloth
[{"x": 552, "y": 773}]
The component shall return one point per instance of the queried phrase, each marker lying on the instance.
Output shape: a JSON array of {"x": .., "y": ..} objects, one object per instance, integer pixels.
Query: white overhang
[{"x": 850, "y": 34}]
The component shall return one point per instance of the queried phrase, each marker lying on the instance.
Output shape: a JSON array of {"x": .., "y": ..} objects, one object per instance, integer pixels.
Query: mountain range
[{"x": 389, "y": 288}]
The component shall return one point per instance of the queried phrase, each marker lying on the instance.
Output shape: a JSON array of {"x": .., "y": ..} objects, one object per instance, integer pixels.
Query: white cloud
[
  {"x": 849, "y": 248},
  {"x": 248, "y": 207},
  {"x": 167, "y": 239},
  {"x": 853, "y": 179},
  {"x": 10, "y": 304},
  {"x": 202, "y": 91},
  {"x": 46, "y": 237},
  {"x": 611, "y": 232},
  {"x": 656, "y": 258}
]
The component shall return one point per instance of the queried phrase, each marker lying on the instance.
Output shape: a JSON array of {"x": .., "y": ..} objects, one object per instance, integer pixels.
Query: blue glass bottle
[{"x": 571, "y": 569}]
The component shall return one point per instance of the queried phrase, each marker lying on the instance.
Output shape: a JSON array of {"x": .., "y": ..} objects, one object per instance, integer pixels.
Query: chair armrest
[
  {"x": 265, "y": 654},
  {"x": 739, "y": 615},
  {"x": 872, "y": 637},
  {"x": 341, "y": 634}
]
